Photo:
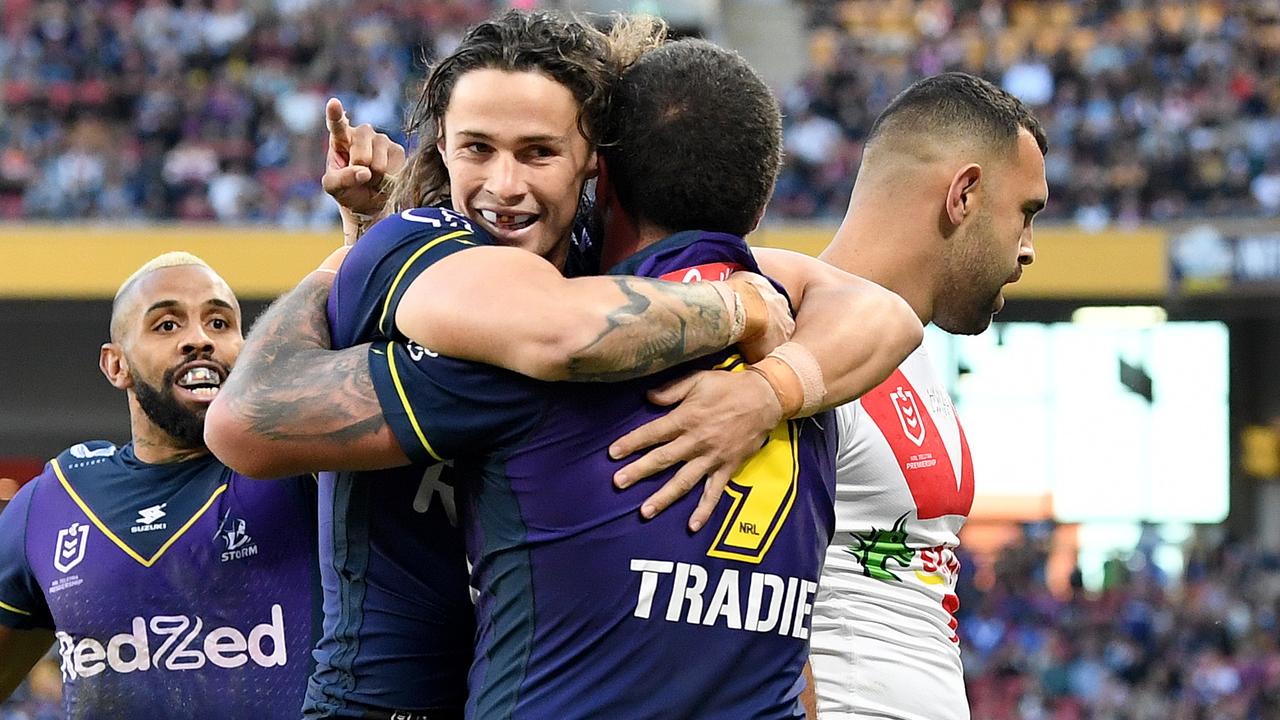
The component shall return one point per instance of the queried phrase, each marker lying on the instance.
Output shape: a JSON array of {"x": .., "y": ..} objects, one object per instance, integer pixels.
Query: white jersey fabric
[{"x": 884, "y": 640}]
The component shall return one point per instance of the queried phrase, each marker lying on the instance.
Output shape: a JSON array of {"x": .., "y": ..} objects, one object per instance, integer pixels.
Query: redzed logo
[{"x": 707, "y": 271}]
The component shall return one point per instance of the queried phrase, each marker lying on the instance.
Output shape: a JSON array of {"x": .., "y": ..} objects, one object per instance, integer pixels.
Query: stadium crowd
[
  {"x": 1147, "y": 647},
  {"x": 1154, "y": 110},
  {"x": 209, "y": 109},
  {"x": 198, "y": 109}
]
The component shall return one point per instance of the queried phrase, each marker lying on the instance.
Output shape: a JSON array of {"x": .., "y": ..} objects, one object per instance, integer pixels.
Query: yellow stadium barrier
[{"x": 90, "y": 261}]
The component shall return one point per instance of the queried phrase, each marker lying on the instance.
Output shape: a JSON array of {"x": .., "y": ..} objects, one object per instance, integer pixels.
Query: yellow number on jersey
[{"x": 762, "y": 491}]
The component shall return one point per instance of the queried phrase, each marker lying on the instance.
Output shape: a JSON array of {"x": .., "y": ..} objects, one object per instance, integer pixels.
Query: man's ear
[
  {"x": 594, "y": 163},
  {"x": 115, "y": 366},
  {"x": 963, "y": 193},
  {"x": 440, "y": 139}
]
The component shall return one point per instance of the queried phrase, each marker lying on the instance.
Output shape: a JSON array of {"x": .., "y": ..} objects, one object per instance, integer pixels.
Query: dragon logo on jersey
[
  {"x": 904, "y": 401},
  {"x": 877, "y": 547},
  {"x": 70, "y": 549}
]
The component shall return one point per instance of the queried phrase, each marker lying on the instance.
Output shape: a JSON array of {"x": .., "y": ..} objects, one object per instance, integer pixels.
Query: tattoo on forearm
[
  {"x": 659, "y": 325},
  {"x": 288, "y": 383}
]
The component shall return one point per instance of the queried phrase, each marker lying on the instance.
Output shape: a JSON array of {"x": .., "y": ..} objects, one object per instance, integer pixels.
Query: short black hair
[
  {"x": 694, "y": 140},
  {"x": 959, "y": 103}
]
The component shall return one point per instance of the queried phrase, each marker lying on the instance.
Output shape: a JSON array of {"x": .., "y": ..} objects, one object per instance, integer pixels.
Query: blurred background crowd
[
  {"x": 199, "y": 109},
  {"x": 1148, "y": 646},
  {"x": 211, "y": 109},
  {"x": 1154, "y": 110}
]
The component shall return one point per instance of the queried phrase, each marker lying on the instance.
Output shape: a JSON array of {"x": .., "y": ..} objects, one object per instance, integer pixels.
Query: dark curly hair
[
  {"x": 573, "y": 53},
  {"x": 695, "y": 139}
]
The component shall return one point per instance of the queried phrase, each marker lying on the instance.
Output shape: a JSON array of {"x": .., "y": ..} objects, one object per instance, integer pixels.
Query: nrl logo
[
  {"x": 70, "y": 549},
  {"x": 904, "y": 401}
]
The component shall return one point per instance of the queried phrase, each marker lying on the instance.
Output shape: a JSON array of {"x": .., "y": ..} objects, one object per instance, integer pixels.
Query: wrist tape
[{"x": 796, "y": 378}]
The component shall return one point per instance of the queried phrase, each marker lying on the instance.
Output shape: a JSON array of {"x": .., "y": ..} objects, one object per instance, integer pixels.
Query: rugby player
[
  {"x": 398, "y": 621},
  {"x": 171, "y": 584},
  {"x": 759, "y": 181},
  {"x": 941, "y": 213}
]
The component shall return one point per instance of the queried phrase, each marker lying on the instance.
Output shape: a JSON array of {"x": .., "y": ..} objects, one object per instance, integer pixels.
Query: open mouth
[
  {"x": 201, "y": 381},
  {"x": 509, "y": 222}
]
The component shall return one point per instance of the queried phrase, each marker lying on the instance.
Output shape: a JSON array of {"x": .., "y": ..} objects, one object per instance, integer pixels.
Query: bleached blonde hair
[{"x": 175, "y": 258}]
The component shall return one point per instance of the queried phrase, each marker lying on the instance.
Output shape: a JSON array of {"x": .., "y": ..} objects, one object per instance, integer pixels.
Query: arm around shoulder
[
  {"x": 292, "y": 405},
  {"x": 857, "y": 331},
  {"x": 507, "y": 307}
]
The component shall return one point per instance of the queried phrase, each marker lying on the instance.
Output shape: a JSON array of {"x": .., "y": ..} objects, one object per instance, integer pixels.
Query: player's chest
[
  {"x": 92, "y": 561},
  {"x": 909, "y": 449}
]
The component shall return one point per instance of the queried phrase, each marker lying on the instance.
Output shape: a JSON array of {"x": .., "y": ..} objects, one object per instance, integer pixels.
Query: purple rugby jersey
[
  {"x": 176, "y": 591},
  {"x": 398, "y": 620},
  {"x": 584, "y": 609}
]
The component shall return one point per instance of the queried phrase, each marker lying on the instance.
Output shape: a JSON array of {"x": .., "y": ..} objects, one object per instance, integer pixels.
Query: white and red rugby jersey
[{"x": 884, "y": 638}]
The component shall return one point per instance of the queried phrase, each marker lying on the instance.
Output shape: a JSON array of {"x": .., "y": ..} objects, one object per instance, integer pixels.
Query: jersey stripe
[
  {"x": 386, "y": 305},
  {"x": 6, "y": 606},
  {"x": 408, "y": 407},
  {"x": 146, "y": 562}
]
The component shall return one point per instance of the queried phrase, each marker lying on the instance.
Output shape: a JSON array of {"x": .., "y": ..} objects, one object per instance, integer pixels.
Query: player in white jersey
[
  {"x": 941, "y": 213},
  {"x": 951, "y": 177}
]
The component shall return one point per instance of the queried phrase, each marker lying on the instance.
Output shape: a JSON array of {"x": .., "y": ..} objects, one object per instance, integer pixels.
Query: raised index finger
[{"x": 335, "y": 117}]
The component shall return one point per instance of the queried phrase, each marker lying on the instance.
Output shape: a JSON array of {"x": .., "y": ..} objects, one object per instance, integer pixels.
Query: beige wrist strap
[
  {"x": 785, "y": 383},
  {"x": 733, "y": 304},
  {"x": 796, "y": 378}
]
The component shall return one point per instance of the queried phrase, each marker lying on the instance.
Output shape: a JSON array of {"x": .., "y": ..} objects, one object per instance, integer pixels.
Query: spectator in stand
[
  {"x": 1144, "y": 648},
  {"x": 197, "y": 109},
  {"x": 1156, "y": 111}
]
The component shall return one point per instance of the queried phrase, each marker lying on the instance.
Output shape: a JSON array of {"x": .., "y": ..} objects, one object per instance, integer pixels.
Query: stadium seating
[{"x": 1155, "y": 111}]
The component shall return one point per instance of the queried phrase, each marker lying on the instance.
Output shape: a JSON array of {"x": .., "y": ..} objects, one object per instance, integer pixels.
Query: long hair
[{"x": 585, "y": 60}]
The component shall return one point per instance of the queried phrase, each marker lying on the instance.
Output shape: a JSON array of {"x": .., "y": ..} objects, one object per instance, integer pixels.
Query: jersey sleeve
[
  {"x": 22, "y": 604},
  {"x": 381, "y": 267},
  {"x": 846, "y": 435},
  {"x": 441, "y": 408}
]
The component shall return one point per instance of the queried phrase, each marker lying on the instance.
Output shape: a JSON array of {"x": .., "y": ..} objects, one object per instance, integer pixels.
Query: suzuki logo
[
  {"x": 147, "y": 516},
  {"x": 70, "y": 549},
  {"x": 904, "y": 401}
]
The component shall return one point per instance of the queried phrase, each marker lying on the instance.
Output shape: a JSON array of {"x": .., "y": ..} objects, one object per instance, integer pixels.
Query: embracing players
[
  {"x": 950, "y": 181},
  {"x": 442, "y": 407}
]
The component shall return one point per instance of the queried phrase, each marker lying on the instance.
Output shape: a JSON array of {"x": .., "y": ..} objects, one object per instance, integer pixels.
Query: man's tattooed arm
[
  {"x": 513, "y": 309},
  {"x": 294, "y": 405},
  {"x": 657, "y": 325}
]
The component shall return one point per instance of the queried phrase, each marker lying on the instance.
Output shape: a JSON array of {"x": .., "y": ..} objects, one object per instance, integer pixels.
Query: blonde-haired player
[{"x": 170, "y": 583}]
